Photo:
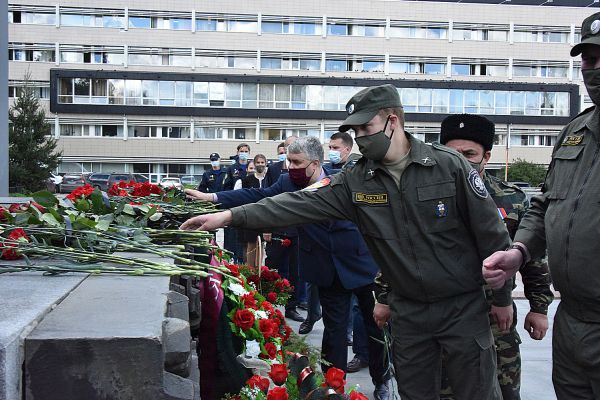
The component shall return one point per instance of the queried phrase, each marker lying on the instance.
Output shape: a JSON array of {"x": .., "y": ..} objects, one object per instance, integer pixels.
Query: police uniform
[
  {"x": 429, "y": 235},
  {"x": 512, "y": 203},
  {"x": 212, "y": 180}
]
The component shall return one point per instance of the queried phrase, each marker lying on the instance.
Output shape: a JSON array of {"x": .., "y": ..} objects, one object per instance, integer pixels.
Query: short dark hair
[
  {"x": 243, "y": 145},
  {"x": 344, "y": 137},
  {"x": 280, "y": 145},
  {"x": 398, "y": 111}
]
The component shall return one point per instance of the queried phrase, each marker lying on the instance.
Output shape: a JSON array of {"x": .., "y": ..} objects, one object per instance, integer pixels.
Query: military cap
[
  {"x": 364, "y": 105},
  {"x": 590, "y": 33},
  {"x": 214, "y": 156},
  {"x": 468, "y": 127}
]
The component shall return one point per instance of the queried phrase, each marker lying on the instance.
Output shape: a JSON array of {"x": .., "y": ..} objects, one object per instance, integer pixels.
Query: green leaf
[
  {"x": 45, "y": 198},
  {"x": 102, "y": 225},
  {"x": 128, "y": 209},
  {"x": 55, "y": 214},
  {"x": 82, "y": 205},
  {"x": 156, "y": 216},
  {"x": 51, "y": 220},
  {"x": 97, "y": 202}
]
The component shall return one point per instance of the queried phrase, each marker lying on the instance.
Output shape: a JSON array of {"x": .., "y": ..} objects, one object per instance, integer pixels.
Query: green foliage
[
  {"x": 525, "y": 171},
  {"x": 32, "y": 155}
]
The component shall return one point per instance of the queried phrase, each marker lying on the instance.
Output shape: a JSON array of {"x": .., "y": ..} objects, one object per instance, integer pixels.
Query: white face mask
[
  {"x": 215, "y": 163},
  {"x": 335, "y": 156},
  {"x": 281, "y": 157},
  {"x": 244, "y": 155}
]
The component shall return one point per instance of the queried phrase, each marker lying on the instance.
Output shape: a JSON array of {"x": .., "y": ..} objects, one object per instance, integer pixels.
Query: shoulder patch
[
  {"x": 441, "y": 147},
  {"x": 317, "y": 185},
  {"x": 477, "y": 185},
  {"x": 572, "y": 140}
]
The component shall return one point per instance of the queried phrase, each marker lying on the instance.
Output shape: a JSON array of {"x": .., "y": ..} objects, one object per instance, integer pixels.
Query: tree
[
  {"x": 32, "y": 154},
  {"x": 525, "y": 171}
]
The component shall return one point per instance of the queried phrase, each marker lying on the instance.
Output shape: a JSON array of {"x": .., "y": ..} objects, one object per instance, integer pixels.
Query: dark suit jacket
[{"x": 325, "y": 248}]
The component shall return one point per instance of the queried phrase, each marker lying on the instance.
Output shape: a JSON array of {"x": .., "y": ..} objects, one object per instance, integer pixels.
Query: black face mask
[
  {"x": 260, "y": 169},
  {"x": 375, "y": 146},
  {"x": 591, "y": 78},
  {"x": 477, "y": 166}
]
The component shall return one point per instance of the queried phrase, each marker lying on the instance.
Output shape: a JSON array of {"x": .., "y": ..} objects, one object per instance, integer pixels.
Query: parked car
[
  {"x": 521, "y": 184},
  {"x": 116, "y": 178},
  {"x": 99, "y": 180},
  {"x": 71, "y": 182},
  {"x": 169, "y": 182},
  {"x": 140, "y": 178},
  {"x": 189, "y": 180}
]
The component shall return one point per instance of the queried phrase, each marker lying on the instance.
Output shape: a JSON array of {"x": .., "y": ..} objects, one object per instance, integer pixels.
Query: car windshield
[
  {"x": 99, "y": 176},
  {"x": 170, "y": 180},
  {"x": 120, "y": 178},
  {"x": 72, "y": 179}
]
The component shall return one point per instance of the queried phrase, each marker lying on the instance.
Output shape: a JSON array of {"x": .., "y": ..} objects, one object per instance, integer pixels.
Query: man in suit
[{"x": 333, "y": 256}]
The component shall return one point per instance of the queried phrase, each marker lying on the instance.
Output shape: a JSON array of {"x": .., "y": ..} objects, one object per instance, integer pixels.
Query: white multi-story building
[{"x": 154, "y": 87}]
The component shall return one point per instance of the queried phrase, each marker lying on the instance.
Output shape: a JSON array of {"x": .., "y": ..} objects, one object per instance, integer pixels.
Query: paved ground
[{"x": 536, "y": 356}]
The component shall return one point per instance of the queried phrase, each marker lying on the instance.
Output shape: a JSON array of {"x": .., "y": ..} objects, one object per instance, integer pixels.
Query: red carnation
[
  {"x": 15, "y": 208},
  {"x": 3, "y": 214},
  {"x": 257, "y": 381},
  {"x": 243, "y": 319},
  {"x": 249, "y": 301},
  {"x": 268, "y": 328},
  {"x": 354, "y": 395},
  {"x": 287, "y": 333},
  {"x": 9, "y": 251},
  {"x": 278, "y": 374},
  {"x": 268, "y": 307},
  {"x": 38, "y": 206},
  {"x": 253, "y": 279},
  {"x": 277, "y": 393},
  {"x": 286, "y": 243},
  {"x": 334, "y": 378},
  {"x": 271, "y": 351},
  {"x": 234, "y": 269},
  {"x": 272, "y": 297}
]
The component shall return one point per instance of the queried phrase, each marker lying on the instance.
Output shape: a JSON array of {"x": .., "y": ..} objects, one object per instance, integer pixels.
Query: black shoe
[
  {"x": 303, "y": 306},
  {"x": 291, "y": 313},
  {"x": 355, "y": 365},
  {"x": 382, "y": 391}
]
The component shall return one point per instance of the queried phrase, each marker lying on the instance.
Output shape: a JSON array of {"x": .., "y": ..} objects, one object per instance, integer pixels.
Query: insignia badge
[
  {"x": 595, "y": 27},
  {"x": 426, "y": 160},
  {"x": 461, "y": 125},
  {"x": 211, "y": 177},
  {"x": 440, "y": 210},
  {"x": 350, "y": 108},
  {"x": 371, "y": 172},
  {"x": 572, "y": 140},
  {"x": 317, "y": 185},
  {"x": 371, "y": 198},
  {"x": 477, "y": 185}
]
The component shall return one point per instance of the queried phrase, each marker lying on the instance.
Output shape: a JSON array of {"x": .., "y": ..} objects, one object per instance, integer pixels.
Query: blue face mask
[
  {"x": 215, "y": 163},
  {"x": 281, "y": 157},
  {"x": 243, "y": 155},
  {"x": 335, "y": 156}
]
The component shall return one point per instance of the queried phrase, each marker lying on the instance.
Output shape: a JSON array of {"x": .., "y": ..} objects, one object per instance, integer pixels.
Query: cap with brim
[
  {"x": 358, "y": 118},
  {"x": 365, "y": 105},
  {"x": 590, "y": 34},
  {"x": 578, "y": 48}
]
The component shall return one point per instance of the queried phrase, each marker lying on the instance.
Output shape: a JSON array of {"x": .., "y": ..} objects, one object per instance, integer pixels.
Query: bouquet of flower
[
  {"x": 297, "y": 380},
  {"x": 276, "y": 289}
]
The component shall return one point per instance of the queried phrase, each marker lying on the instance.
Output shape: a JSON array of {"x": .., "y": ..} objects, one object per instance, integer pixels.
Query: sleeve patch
[
  {"x": 477, "y": 185},
  {"x": 317, "y": 185}
]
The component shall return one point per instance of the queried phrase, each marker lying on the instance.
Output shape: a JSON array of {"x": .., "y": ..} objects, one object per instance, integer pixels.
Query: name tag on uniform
[
  {"x": 572, "y": 140},
  {"x": 371, "y": 198}
]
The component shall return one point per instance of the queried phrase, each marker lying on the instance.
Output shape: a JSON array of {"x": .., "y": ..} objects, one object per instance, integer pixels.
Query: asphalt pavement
[{"x": 536, "y": 358}]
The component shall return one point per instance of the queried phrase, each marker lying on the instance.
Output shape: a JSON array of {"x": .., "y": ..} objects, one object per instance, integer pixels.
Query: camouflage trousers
[{"x": 509, "y": 362}]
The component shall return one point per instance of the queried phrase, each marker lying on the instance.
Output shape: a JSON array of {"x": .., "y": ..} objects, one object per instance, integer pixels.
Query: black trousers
[
  {"x": 285, "y": 261},
  {"x": 335, "y": 308}
]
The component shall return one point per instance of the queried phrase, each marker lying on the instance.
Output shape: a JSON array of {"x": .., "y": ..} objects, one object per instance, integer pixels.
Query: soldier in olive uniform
[
  {"x": 565, "y": 220},
  {"x": 473, "y": 137},
  {"x": 429, "y": 222}
]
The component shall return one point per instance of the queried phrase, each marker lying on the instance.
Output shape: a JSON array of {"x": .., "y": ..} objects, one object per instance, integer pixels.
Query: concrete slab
[
  {"x": 25, "y": 299},
  {"x": 105, "y": 340}
]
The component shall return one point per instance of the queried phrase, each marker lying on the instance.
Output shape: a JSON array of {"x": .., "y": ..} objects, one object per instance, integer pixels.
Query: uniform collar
[{"x": 420, "y": 153}]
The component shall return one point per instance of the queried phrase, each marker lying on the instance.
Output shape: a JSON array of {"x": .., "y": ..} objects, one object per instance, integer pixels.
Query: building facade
[{"x": 154, "y": 87}]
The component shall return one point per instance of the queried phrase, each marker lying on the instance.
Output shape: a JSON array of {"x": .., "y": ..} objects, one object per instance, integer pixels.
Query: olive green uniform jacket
[
  {"x": 565, "y": 219},
  {"x": 512, "y": 204},
  {"x": 429, "y": 236}
]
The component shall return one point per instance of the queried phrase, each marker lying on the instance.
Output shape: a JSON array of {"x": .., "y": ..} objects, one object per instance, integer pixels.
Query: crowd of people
[{"x": 420, "y": 240}]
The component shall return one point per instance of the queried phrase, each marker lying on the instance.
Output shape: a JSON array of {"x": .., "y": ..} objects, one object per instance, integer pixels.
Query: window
[
  {"x": 71, "y": 130},
  {"x": 242, "y": 26},
  {"x": 207, "y": 133},
  {"x": 140, "y": 22},
  {"x": 337, "y": 29},
  {"x": 112, "y": 130},
  {"x": 461, "y": 69},
  {"x": 275, "y": 27},
  {"x": 435, "y": 69}
]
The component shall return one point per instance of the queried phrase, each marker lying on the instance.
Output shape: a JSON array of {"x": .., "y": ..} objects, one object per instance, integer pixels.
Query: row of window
[
  {"x": 133, "y": 92},
  {"x": 272, "y": 24},
  {"x": 305, "y": 62},
  {"x": 184, "y": 132},
  {"x": 265, "y": 134}
]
